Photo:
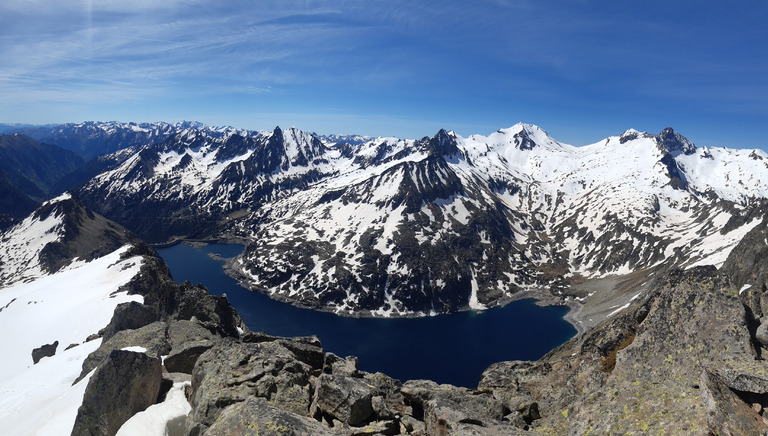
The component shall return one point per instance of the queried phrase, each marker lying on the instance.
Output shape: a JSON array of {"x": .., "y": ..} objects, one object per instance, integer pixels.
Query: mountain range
[
  {"x": 99, "y": 340},
  {"x": 393, "y": 227}
]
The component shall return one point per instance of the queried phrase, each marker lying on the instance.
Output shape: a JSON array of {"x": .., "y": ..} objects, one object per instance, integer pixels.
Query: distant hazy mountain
[
  {"x": 30, "y": 172},
  {"x": 393, "y": 227},
  {"x": 91, "y": 139}
]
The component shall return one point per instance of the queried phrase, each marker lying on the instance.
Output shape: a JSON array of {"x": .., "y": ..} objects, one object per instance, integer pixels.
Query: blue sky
[{"x": 582, "y": 70}]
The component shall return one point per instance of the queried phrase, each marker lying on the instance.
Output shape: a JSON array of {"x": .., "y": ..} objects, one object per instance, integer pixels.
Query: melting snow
[
  {"x": 474, "y": 304},
  {"x": 40, "y": 398},
  {"x": 135, "y": 349},
  {"x": 161, "y": 419},
  {"x": 21, "y": 246}
]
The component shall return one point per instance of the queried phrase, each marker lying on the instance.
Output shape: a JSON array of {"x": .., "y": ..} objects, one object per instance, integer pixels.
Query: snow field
[{"x": 66, "y": 307}]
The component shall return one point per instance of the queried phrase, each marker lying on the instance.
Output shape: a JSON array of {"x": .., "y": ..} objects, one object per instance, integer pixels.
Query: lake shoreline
[
  {"x": 451, "y": 348},
  {"x": 540, "y": 297}
]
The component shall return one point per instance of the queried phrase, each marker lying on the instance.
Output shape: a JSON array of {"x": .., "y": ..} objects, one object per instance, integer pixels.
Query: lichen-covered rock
[
  {"x": 385, "y": 428},
  {"x": 151, "y": 337},
  {"x": 188, "y": 341},
  {"x": 388, "y": 401},
  {"x": 348, "y": 366},
  {"x": 131, "y": 315},
  {"x": 647, "y": 380},
  {"x": 183, "y": 357},
  {"x": 183, "y": 332},
  {"x": 124, "y": 384},
  {"x": 347, "y": 399},
  {"x": 255, "y": 416},
  {"x": 761, "y": 334},
  {"x": 307, "y": 349},
  {"x": 746, "y": 376},
  {"x": 452, "y": 410},
  {"x": 727, "y": 414},
  {"x": 233, "y": 371},
  {"x": 212, "y": 312}
]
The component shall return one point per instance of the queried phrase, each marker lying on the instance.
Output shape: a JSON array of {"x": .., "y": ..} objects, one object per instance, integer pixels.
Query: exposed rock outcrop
[
  {"x": 46, "y": 350},
  {"x": 726, "y": 412},
  {"x": 150, "y": 337},
  {"x": 132, "y": 315},
  {"x": 233, "y": 371},
  {"x": 647, "y": 377},
  {"x": 188, "y": 341},
  {"x": 256, "y": 416},
  {"x": 124, "y": 384},
  {"x": 271, "y": 383},
  {"x": 179, "y": 321}
]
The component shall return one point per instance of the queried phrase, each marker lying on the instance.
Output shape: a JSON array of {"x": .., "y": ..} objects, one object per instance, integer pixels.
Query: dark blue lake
[{"x": 451, "y": 349}]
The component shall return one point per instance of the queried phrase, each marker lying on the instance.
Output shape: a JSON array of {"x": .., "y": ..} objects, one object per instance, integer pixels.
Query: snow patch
[
  {"x": 474, "y": 303},
  {"x": 168, "y": 417}
]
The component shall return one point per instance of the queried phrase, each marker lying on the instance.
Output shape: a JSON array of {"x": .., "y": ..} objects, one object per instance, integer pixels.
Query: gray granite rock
[{"x": 124, "y": 384}]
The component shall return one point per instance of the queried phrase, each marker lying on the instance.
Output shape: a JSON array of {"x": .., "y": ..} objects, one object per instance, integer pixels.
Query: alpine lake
[{"x": 452, "y": 349}]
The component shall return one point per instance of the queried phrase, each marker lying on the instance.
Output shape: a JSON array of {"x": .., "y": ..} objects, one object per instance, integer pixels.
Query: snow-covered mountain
[
  {"x": 51, "y": 293},
  {"x": 397, "y": 227}
]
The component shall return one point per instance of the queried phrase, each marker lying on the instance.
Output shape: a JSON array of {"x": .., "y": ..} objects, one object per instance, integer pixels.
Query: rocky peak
[
  {"x": 675, "y": 143},
  {"x": 631, "y": 135},
  {"x": 275, "y": 140},
  {"x": 188, "y": 138},
  {"x": 277, "y": 134},
  {"x": 269, "y": 156},
  {"x": 443, "y": 144},
  {"x": 304, "y": 147},
  {"x": 523, "y": 140}
]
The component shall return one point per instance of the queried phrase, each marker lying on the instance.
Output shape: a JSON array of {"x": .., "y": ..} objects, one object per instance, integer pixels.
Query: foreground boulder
[
  {"x": 346, "y": 399},
  {"x": 124, "y": 384},
  {"x": 234, "y": 371},
  {"x": 188, "y": 341},
  {"x": 261, "y": 384},
  {"x": 256, "y": 416},
  {"x": 726, "y": 412}
]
